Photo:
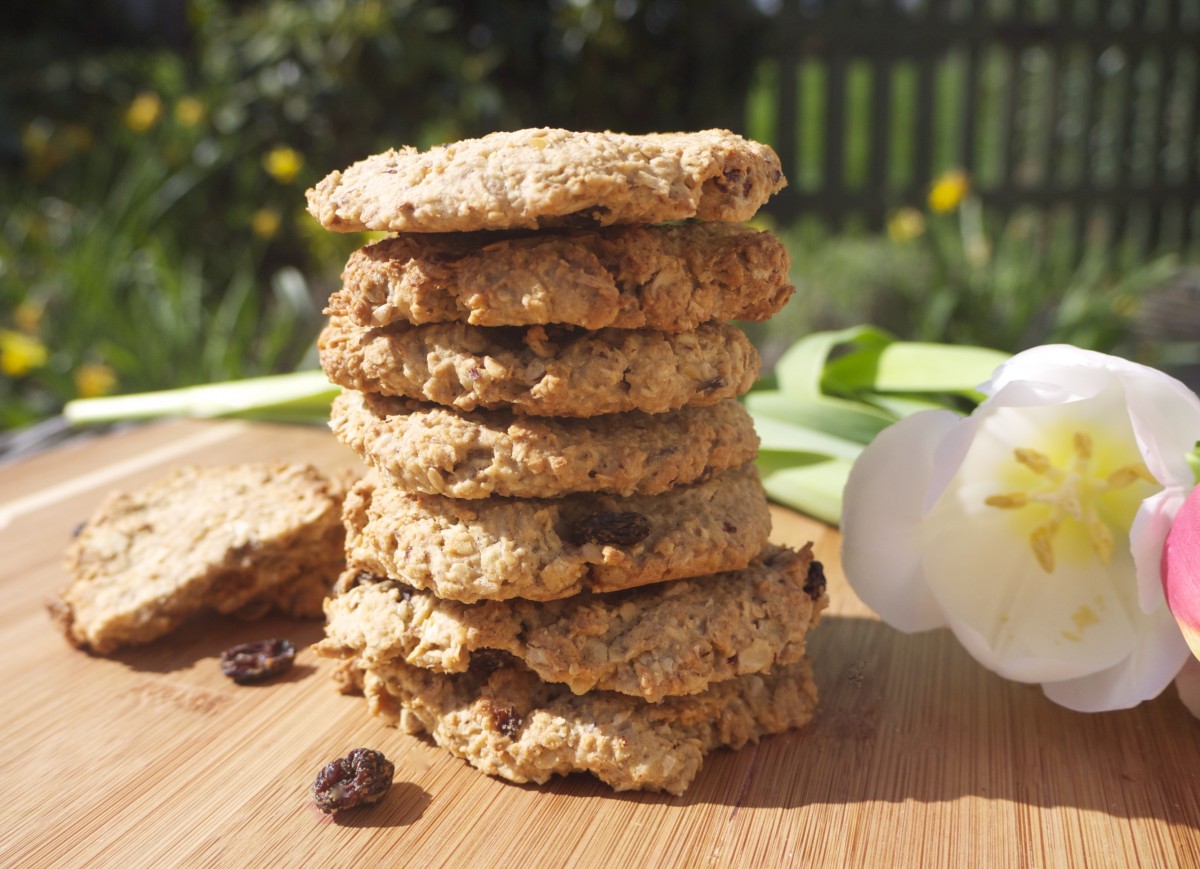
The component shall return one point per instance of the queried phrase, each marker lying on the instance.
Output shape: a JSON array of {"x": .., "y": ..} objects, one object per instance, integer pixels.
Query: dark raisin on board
[
  {"x": 257, "y": 661},
  {"x": 360, "y": 778},
  {"x": 611, "y": 529}
]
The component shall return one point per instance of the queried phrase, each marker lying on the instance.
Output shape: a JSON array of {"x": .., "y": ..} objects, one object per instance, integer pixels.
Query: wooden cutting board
[{"x": 917, "y": 755}]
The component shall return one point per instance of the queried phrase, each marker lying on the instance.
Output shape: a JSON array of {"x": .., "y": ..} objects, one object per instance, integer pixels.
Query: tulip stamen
[{"x": 1071, "y": 494}]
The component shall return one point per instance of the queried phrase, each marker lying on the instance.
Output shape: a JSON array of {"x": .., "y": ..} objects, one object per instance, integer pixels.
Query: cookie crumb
[{"x": 857, "y": 674}]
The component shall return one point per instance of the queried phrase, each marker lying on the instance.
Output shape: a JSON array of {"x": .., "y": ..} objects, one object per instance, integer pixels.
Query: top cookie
[{"x": 546, "y": 177}]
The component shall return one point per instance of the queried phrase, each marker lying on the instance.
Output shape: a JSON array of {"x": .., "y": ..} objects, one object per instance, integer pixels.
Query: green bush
[
  {"x": 153, "y": 170},
  {"x": 955, "y": 277}
]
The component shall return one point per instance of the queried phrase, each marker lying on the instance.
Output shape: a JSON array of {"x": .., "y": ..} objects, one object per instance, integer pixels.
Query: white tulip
[{"x": 1034, "y": 527}]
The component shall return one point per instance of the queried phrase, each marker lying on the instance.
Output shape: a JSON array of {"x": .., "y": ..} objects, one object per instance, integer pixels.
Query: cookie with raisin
[
  {"x": 506, "y": 722},
  {"x": 547, "y": 548},
  {"x": 653, "y": 641}
]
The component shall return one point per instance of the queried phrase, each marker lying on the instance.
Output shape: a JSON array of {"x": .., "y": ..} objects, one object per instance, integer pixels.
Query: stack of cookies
[{"x": 558, "y": 559}]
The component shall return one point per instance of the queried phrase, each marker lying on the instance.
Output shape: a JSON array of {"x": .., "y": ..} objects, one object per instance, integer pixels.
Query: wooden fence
[{"x": 1084, "y": 109}]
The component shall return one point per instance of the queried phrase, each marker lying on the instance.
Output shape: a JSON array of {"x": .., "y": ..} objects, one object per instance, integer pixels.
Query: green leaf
[
  {"x": 770, "y": 461},
  {"x": 802, "y": 366},
  {"x": 789, "y": 437},
  {"x": 852, "y": 372},
  {"x": 901, "y": 406},
  {"x": 814, "y": 489},
  {"x": 908, "y": 366},
  {"x": 852, "y": 420},
  {"x": 303, "y": 395}
]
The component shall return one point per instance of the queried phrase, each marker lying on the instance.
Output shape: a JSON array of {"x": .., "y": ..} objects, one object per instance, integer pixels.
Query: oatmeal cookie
[
  {"x": 544, "y": 177},
  {"x": 667, "y": 278},
  {"x": 245, "y": 539},
  {"x": 655, "y": 641},
  {"x": 539, "y": 370},
  {"x": 542, "y": 549},
  {"x": 506, "y": 722},
  {"x": 439, "y": 451}
]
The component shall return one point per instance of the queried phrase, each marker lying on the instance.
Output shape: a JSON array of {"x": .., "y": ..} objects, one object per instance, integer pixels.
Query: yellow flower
[
  {"x": 948, "y": 191},
  {"x": 189, "y": 112},
  {"x": 28, "y": 316},
  {"x": 144, "y": 112},
  {"x": 265, "y": 223},
  {"x": 283, "y": 164},
  {"x": 42, "y": 149},
  {"x": 20, "y": 354},
  {"x": 35, "y": 138},
  {"x": 78, "y": 137},
  {"x": 905, "y": 225},
  {"x": 94, "y": 379}
]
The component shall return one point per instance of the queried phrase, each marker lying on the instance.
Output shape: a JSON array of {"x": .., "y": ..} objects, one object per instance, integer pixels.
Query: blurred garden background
[{"x": 994, "y": 172}]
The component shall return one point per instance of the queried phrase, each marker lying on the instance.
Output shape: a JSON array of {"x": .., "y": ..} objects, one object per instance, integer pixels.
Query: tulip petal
[
  {"x": 1059, "y": 372},
  {"x": 1166, "y": 419},
  {"x": 881, "y": 519},
  {"x": 1154, "y": 662},
  {"x": 1016, "y": 616},
  {"x": 1147, "y": 537},
  {"x": 1165, "y": 414},
  {"x": 1180, "y": 569}
]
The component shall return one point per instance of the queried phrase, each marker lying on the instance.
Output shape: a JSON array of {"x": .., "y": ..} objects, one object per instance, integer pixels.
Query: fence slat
[
  {"x": 969, "y": 116},
  {"x": 788, "y": 110},
  {"x": 923, "y": 144},
  {"x": 832, "y": 153},
  {"x": 881, "y": 123},
  {"x": 1190, "y": 230},
  {"x": 1159, "y": 140}
]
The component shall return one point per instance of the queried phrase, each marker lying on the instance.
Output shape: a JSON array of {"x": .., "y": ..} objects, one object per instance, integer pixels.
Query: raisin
[
  {"x": 485, "y": 662},
  {"x": 584, "y": 218},
  {"x": 726, "y": 181},
  {"x": 360, "y": 778},
  {"x": 712, "y": 383},
  {"x": 814, "y": 582},
  {"x": 610, "y": 528},
  {"x": 257, "y": 661},
  {"x": 507, "y": 720}
]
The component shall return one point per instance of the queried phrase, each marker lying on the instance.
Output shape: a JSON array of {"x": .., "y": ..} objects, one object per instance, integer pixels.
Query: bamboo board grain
[{"x": 917, "y": 756}]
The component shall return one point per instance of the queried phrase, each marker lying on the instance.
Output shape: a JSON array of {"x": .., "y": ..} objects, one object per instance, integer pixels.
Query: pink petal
[{"x": 1181, "y": 569}]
